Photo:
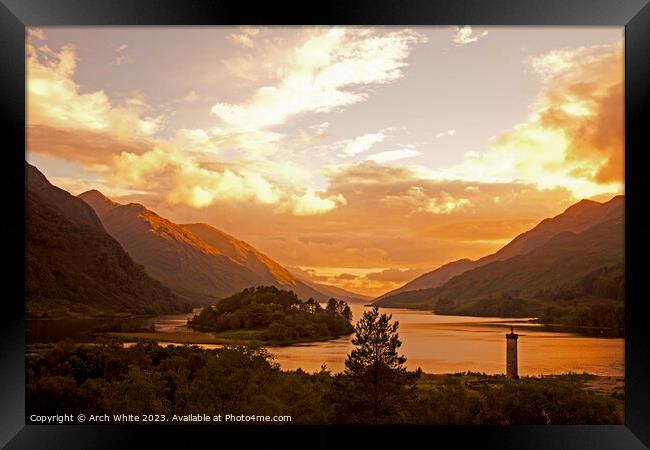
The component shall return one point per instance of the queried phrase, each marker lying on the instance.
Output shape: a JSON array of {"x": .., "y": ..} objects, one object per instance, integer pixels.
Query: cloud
[
  {"x": 386, "y": 191},
  {"x": 310, "y": 203},
  {"x": 316, "y": 70},
  {"x": 120, "y": 57},
  {"x": 186, "y": 182},
  {"x": 370, "y": 281},
  {"x": 345, "y": 277},
  {"x": 118, "y": 141},
  {"x": 585, "y": 100},
  {"x": 573, "y": 137},
  {"x": 368, "y": 172},
  {"x": 329, "y": 70},
  {"x": 393, "y": 155},
  {"x": 361, "y": 143},
  {"x": 251, "y": 145},
  {"x": 308, "y": 273},
  {"x": 195, "y": 135},
  {"x": 445, "y": 133},
  {"x": 312, "y": 71},
  {"x": 445, "y": 204},
  {"x": 562, "y": 62},
  {"x": 35, "y": 33},
  {"x": 320, "y": 128},
  {"x": 191, "y": 97},
  {"x": 465, "y": 35},
  {"x": 420, "y": 201},
  {"x": 394, "y": 275},
  {"x": 54, "y": 99},
  {"x": 88, "y": 147},
  {"x": 245, "y": 37},
  {"x": 79, "y": 183}
]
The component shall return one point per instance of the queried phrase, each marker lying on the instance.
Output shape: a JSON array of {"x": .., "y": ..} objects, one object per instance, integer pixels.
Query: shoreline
[
  {"x": 471, "y": 378},
  {"x": 204, "y": 337},
  {"x": 127, "y": 316},
  {"x": 522, "y": 318}
]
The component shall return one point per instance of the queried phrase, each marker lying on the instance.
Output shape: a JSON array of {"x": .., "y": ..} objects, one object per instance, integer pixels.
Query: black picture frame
[{"x": 15, "y": 15}]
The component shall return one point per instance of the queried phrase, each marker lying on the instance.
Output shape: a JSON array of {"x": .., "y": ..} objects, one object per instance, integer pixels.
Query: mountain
[
  {"x": 74, "y": 267},
  {"x": 436, "y": 277},
  {"x": 266, "y": 269},
  {"x": 575, "y": 218},
  {"x": 569, "y": 266},
  {"x": 242, "y": 253},
  {"x": 333, "y": 291},
  {"x": 197, "y": 261}
]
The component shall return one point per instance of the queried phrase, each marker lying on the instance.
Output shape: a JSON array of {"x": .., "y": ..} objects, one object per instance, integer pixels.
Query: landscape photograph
[{"x": 320, "y": 225}]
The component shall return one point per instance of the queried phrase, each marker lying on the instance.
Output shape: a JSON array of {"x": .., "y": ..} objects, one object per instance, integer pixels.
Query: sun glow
[{"x": 366, "y": 150}]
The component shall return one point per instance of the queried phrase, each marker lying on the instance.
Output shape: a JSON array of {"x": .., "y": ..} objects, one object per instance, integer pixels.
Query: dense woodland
[
  {"x": 278, "y": 316},
  {"x": 609, "y": 318},
  {"x": 596, "y": 301},
  {"x": 147, "y": 378},
  {"x": 576, "y": 313}
]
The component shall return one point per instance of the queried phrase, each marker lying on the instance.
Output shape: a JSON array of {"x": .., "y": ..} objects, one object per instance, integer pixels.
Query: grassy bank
[
  {"x": 248, "y": 337},
  {"x": 476, "y": 383}
]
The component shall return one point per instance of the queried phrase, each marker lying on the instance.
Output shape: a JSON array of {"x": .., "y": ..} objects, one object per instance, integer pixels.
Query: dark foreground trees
[{"x": 149, "y": 379}]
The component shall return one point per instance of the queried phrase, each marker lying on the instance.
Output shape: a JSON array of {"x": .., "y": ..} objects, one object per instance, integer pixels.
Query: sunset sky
[{"x": 361, "y": 156}]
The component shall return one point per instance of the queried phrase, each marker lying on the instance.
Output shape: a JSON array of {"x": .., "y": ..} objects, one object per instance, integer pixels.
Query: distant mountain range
[
  {"x": 579, "y": 251},
  {"x": 90, "y": 255},
  {"x": 74, "y": 267},
  {"x": 197, "y": 261}
]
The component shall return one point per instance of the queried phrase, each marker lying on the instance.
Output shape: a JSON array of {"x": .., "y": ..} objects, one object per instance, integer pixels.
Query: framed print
[{"x": 368, "y": 220}]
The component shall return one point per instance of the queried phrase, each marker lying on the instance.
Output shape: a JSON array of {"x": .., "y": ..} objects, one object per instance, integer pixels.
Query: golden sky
[{"x": 361, "y": 156}]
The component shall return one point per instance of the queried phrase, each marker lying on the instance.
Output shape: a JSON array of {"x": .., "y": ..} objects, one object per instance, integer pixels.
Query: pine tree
[{"x": 376, "y": 369}]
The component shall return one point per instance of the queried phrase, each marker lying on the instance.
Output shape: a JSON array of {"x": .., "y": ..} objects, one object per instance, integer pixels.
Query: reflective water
[
  {"x": 448, "y": 344},
  {"x": 81, "y": 330}
]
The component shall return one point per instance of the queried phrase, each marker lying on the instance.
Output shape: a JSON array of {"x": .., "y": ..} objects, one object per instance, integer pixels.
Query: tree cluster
[
  {"x": 608, "y": 317},
  {"x": 279, "y": 314}
]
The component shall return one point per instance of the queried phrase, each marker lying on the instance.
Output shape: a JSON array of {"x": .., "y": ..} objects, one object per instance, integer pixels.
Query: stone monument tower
[{"x": 511, "y": 354}]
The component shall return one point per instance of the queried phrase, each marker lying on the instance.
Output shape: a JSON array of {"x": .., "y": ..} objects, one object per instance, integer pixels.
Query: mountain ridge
[
  {"x": 196, "y": 260},
  {"x": 570, "y": 264},
  {"x": 576, "y": 217},
  {"x": 74, "y": 267}
]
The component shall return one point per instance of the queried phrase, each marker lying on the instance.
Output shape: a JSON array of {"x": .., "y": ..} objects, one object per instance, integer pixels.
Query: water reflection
[
  {"x": 448, "y": 344},
  {"x": 82, "y": 330},
  {"x": 444, "y": 344}
]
